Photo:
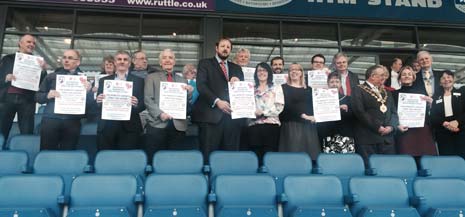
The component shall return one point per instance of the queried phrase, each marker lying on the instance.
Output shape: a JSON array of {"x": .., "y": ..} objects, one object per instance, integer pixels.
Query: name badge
[
  {"x": 438, "y": 101},
  {"x": 457, "y": 94}
]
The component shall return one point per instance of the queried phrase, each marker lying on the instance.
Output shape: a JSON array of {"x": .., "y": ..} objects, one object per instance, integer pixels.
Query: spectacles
[{"x": 68, "y": 58}]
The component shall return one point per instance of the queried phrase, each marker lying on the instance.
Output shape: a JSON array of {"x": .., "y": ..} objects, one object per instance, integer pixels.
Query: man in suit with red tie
[
  {"x": 349, "y": 80},
  {"x": 427, "y": 79},
  {"x": 212, "y": 110}
]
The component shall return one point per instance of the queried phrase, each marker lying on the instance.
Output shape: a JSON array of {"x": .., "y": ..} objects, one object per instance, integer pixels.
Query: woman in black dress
[
  {"x": 413, "y": 141},
  {"x": 298, "y": 128}
]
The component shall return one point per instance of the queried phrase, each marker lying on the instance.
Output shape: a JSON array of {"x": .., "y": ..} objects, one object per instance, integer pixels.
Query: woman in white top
[{"x": 448, "y": 116}]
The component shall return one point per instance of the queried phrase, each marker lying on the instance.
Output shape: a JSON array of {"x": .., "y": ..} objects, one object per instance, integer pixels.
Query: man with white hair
[
  {"x": 427, "y": 78},
  {"x": 163, "y": 132},
  {"x": 242, "y": 57}
]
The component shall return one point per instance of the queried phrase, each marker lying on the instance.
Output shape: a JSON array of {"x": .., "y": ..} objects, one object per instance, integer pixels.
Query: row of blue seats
[
  {"x": 277, "y": 164},
  {"x": 234, "y": 196}
]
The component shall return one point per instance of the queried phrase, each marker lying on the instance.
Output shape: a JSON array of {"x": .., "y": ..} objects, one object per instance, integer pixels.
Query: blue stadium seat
[
  {"x": 89, "y": 128},
  {"x": 14, "y": 131},
  {"x": 31, "y": 196},
  {"x": 132, "y": 162},
  {"x": 27, "y": 143},
  {"x": 172, "y": 162},
  {"x": 2, "y": 141},
  {"x": 37, "y": 123},
  {"x": 176, "y": 195},
  {"x": 67, "y": 164},
  {"x": 233, "y": 162},
  {"x": 13, "y": 162},
  {"x": 104, "y": 195},
  {"x": 400, "y": 166},
  {"x": 88, "y": 139},
  {"x": 343, "y": 166},
  {"x": 442, "y": 167},
  {"x": 306, "y": 196},
  {"x": 440, "y": 197},
  {"x": 282, "y": 164},
  {"x": 380, "y": 196},
  {"x": 244, "y": 195}
]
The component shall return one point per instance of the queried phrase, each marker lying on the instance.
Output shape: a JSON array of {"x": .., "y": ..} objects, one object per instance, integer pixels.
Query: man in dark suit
[
  {"x": 427, "y": 79},
  {"x": 114, "y": 134},
  {"x": 14, "y": 100},
  {"x": 375, "y": 113},
  {"x": 349, "y": 80},
  {"x": 212, "y": 110}
]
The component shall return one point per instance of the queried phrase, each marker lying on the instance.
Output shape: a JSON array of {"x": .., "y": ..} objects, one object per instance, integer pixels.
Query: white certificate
[
  {"x": 317, "y": 79},
  {"x": 279, "y": 79},
  {"x": 173, "y": 99},
  {"x": 97, "y": 79},
  {"x": 326, "y": 104},
  {"x": 411, "y": 110},
  {"x": 72, "y": 90},
  {"x": 117, "y": 102},
  {"x": 248, "y": 74},
  {"x": 27, "y": 71},
  {"x": 242, "y": 99}
]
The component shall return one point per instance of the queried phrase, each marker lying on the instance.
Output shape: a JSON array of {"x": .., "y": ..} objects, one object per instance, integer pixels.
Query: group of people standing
[{"x": 284, "y": 112}]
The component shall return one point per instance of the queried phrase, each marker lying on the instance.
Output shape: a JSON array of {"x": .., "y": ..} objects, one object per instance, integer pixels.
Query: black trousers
[
  {"x": 263, "y": 138},
  {"x": 378, "y": 148},
  {"x": 57, "y": 134},
  {"x": 224, "y": 135},
  {"x": 17, "y": 104},
  {"x": 451, "y": 143},
  {"x": 114, "y": 136},
  {"x": 167, "y": 138}
]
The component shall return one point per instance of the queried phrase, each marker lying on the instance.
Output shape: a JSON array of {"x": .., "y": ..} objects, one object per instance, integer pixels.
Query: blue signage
[{"x": 400, "y": 10}]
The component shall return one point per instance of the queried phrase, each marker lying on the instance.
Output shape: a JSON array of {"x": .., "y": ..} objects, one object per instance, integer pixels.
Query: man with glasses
[
  {"x": 14, "y": 100},
  {"x": 349, "y": 80},
  {"x": 140, "y": 66},
  {"x": 60, "y": 131},
  {"x": 318, "y": 62}
]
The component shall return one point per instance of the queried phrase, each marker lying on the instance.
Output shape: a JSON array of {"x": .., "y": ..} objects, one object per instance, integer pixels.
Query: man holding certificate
[
  {"x": 212, "y": 110},
  {"x": 166, "y": 97},
  {"x": 15, "y": 98},
  {"x": 66, "y": 93},
  {"x": 121, "y": 98},
  {"x": 376, "y": 115}
]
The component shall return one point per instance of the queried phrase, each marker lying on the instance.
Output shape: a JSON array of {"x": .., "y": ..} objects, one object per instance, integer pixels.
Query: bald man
[{"x": 15, "y": 100}]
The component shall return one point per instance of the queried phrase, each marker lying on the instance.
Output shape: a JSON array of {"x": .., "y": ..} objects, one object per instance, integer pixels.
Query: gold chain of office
[{"x": 378, "y": 96}]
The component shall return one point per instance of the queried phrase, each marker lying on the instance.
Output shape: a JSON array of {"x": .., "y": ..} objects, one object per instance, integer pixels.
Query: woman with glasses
[
  {"x": 298, "y": 129},
  {"x": 263, "y": 131}
]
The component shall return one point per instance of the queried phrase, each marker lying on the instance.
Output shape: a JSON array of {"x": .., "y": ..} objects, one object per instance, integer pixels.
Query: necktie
[
  {"x": 348, "y": 89},
  {"x": 225, "y": 71},
  {"x": 428, "y": 87},
  {"x": 170, "y": 77}
]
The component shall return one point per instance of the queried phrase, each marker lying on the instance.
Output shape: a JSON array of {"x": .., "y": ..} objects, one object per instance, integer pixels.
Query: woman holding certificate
[
  {"x": 416, "y": 141},
  {"x": 448, "y": 116},
  {"x": 263, "y": 132},
  {"x": 298, "y": 128}
]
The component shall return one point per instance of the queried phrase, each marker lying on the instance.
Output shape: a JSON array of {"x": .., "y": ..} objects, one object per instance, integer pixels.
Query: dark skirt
[
  {"x": 299, "y": 137},
  {"x": 416, "y": 142}
]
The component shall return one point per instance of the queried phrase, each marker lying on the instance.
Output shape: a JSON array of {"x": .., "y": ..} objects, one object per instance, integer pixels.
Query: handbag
[{"x": 338, "y": 144}]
